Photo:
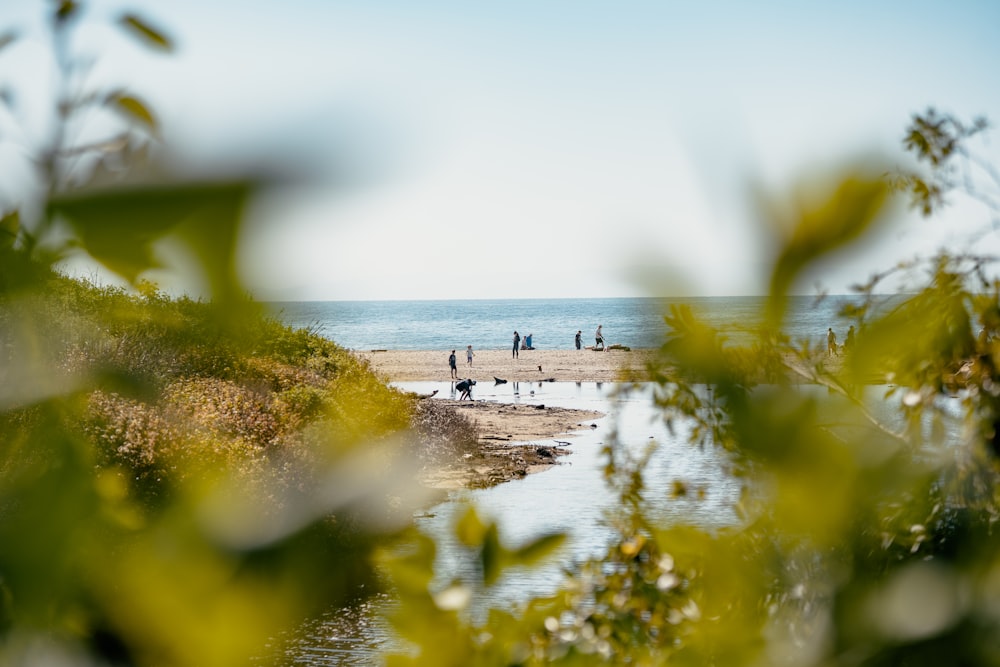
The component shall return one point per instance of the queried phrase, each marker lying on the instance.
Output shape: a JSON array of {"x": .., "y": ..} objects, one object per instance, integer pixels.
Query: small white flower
[
  {"x": 453, "y": 598},
  {"x": 667, "y": 581}
]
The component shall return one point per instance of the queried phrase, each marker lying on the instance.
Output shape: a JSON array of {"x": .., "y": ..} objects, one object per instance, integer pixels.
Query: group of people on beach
[
  {"x": 521, "y": 345},
  {"x": 831, "y": 342},
  {"x": 465, "y": 386}
]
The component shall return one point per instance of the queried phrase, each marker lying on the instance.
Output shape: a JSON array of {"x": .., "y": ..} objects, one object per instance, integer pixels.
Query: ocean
[{"x": 553, "y": 323}]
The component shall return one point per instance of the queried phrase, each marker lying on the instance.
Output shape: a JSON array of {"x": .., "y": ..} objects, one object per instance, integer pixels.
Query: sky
[{"x": 451, "y": 150}]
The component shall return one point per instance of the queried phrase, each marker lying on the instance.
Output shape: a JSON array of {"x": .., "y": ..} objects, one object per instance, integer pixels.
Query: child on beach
[
  {"x": 453, "y": 364},
  {"x": 469, "y": 354}
]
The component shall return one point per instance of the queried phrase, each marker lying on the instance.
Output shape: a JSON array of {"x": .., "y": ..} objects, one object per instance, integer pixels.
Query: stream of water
[{"x": 571, "y": 497}]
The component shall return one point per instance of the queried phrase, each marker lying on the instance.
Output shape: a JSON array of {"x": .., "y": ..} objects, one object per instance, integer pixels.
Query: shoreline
[{"x": 586, "y": 365}]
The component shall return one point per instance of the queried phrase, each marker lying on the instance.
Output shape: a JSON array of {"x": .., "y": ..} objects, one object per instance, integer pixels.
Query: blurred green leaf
[
  {"x": 146, "y": 33},
  {"x": 65, "y": 10},
  {"x": 470, "y": 529},
  {"x": 538, "y": 549},
  {"x": 10, "y": 226},
  {"x": 8, "y": 38},
  {"x": 119, "y": 227},
  {"x": 821, "y": 226},
  {"x": 133, "y": 108}
]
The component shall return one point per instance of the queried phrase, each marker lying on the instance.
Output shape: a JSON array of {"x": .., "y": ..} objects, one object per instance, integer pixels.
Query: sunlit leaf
[
  {"x": 146, "y": 33},
  {"x": 10, "y": 225},
  {"x": 820, "y": 226},
  {"x": 134, "y": 109}
]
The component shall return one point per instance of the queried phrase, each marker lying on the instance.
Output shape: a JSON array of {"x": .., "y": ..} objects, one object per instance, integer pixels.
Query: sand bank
[
  {"x": 514, "y": 440},
  {"x": 531, "y": 365}
]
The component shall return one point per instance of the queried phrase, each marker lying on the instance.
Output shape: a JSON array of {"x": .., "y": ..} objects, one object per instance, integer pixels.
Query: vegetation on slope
[{"x": 179, "y": 482}]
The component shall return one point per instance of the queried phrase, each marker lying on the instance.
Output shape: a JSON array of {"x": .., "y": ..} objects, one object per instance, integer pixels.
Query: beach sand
[{"x": 558, "y": 365}]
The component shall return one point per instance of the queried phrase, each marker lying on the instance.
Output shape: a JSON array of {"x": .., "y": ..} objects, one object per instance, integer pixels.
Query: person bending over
[{"x": 465, "y": 387}]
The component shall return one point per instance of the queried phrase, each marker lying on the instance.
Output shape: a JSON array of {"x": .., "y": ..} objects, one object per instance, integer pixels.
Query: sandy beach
[
  {"x": 504, "y": 428},
  {"x": 531, "y": 365}
]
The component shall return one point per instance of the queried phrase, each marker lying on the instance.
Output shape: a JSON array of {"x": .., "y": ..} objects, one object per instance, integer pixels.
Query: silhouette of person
[
  {"x": 465, "y": 387},
  {"x": 453, "y": 364},
  {"x": 579, "y": 339},
  {"x": 517, "y": 343}
]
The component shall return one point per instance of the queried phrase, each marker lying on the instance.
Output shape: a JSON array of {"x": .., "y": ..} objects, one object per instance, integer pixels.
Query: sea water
[{"x": 553, "y": 323}]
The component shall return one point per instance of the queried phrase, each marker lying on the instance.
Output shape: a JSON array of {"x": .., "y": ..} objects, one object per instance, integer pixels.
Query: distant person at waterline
[
  {"x": 599, "y": 338},
  {"x": 468, "y": 355},
  {"x": 579, "y": 339},
  {"x": 517, "y": 343},
  {"x": 831, "y": 342},
  {"x": 453, "y": 364}
]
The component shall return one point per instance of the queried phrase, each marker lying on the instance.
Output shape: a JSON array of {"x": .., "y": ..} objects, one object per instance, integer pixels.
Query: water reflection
[
  {"x": 571, "y": 497},
  {"x": 352, "y": 636}
]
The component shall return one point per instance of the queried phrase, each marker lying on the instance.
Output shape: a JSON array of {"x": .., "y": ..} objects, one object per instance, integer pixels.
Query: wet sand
[{"x": 514, "y": 440}]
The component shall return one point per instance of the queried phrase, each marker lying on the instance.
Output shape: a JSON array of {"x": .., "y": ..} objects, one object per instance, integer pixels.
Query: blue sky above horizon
[{"x": 525, "y": 149}]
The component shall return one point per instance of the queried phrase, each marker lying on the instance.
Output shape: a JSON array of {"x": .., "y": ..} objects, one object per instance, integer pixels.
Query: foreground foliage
[
  {"x": 180, "y": 481},
  {"x": 178, "y": 490}
]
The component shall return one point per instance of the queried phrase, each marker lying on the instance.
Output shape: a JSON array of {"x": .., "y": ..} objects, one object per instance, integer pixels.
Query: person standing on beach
[
  {"x": 453, "y": 364},
  {"x": 831, "y": 342},
  {"x": 517, "y": 343},
  {"x": 579, "y": 339},
  {"x": 468, "y": 354},
  {"x": 849, "y": 341},
  {"x": 599, "y": 338}
]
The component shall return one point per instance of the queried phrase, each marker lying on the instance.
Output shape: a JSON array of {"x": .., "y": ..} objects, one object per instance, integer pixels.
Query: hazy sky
[{"x": 539, "y": 149}]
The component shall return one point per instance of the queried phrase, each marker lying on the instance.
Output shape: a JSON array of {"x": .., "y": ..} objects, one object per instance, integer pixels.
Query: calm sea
[{"x": 490, "y": 324}]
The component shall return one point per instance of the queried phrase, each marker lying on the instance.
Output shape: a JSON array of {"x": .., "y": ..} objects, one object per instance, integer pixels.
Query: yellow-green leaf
[
  {"x": 146, "y": 33},
  {"x": 133, "y": 108},
  {"x": 537, "y": 550},
  {"x": 470, "y": 529},
  {"x": 10, "y": 223}
]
